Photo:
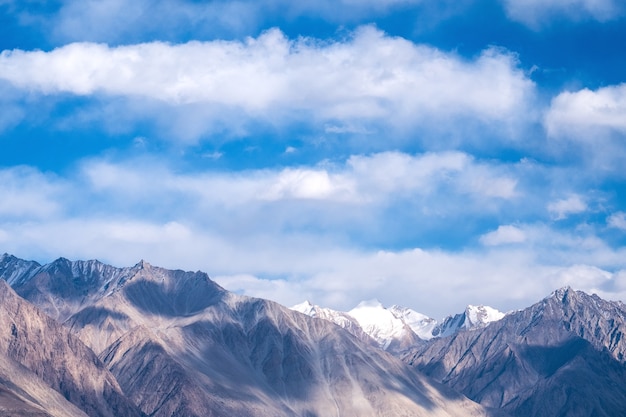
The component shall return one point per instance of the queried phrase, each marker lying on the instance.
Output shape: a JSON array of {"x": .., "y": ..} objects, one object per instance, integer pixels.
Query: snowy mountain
[
  {"x": 370, "y": 322},
  {"x": 422, "y": 325},
  {"x": 145, "y": 340},
  {"x": 339, "y": 318},
  {"x": 180, "y": 345},
  {"x": 396, "y": 329},
  {"x": 390, "y": 332},
  {"x": 474, "y": 317}
]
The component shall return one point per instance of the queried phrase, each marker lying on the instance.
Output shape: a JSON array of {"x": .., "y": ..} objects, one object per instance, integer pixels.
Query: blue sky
[{"x": 428, "y": 154}]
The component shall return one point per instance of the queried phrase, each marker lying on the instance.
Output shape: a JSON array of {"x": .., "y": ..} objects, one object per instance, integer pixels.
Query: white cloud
[
  {"x": 583, "y": 277},
  {"x": 536, "y": 13},
  {"x": 582, "y": 113},
  {"x": 617, "y": 220},
  {"x": 259, "y": 258},
  {"x": 309, "y": 184},
  {"x": 399, "y": 173},
  {"x": 368, "y": 76},
  {"x": 27, "y": 193},
  {"x": 94, "y": 19},
  {"x": 560, "y": 209},
  {"x": 361, "y": 180},
  {"x": 503, "y": 235},
  {"x": 302, "y": 244},
  {"x": 288, "y": 268}
]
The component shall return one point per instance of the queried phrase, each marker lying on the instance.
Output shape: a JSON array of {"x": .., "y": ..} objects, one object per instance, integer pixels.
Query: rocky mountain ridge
[
  {"x": 180, "y": 345},
  {"x": 562, "y": 356},
  {"x": 174, "y": 343}
]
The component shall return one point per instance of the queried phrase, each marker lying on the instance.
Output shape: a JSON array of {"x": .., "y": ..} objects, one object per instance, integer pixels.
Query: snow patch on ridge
[{"x": 420, "y": 324}]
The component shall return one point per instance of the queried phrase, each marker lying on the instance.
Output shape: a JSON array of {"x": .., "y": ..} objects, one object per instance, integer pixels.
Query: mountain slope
[
  {"x": 44, "y": 368},
  {"x": 180, "y": 345},
  {"x": 561, "y": 356}
]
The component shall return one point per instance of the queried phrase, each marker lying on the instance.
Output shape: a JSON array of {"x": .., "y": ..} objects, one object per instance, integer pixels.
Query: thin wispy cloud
[{"x": 538, "y": 13}]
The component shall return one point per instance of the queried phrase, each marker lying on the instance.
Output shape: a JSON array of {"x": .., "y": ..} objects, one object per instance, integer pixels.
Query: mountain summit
[
  {"x": 562, "y": 356},
  {"x": 397, "y": 329}
]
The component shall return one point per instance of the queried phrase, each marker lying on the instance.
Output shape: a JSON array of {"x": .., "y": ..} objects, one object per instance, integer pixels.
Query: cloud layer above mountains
[{"x": 428, "y": 155}]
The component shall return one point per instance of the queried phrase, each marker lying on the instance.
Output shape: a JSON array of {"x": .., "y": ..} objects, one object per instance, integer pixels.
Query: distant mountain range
[
  {"x": 84, "y": 338},
  {"x": 397, "y": 329}
]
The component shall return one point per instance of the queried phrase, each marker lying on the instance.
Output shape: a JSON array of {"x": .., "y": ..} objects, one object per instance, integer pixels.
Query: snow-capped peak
[
  {"x": 306, "y": 308},
  {"x": 480, "y": 316},
  {"x": 474, "y": 317},
  {"x": 340, "y": 318},
  {"x": 379, "y": 322},
  {"x": 396, "y": 327},
  {"x": 421, "y": 324}
]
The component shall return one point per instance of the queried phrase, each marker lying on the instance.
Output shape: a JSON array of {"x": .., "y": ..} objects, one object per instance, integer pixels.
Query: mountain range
[
  {"x": 177, "y": 344},
  {"x": 85, "y": 338},
  {"x": 397, "y": 329}
]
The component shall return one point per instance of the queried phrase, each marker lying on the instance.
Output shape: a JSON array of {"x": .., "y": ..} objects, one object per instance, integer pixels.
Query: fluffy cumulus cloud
[
  {"x": 324, "y": 160},
  {"x": 582, "y": 113},
  {"x": 536, "y": 13},
  {"x": 368, "y": 76},
  {"x": 506, "y": 278}
]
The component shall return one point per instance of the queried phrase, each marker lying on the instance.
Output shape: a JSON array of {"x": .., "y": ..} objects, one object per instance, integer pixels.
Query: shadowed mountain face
[
  {"x": 180, "y": 345},
  {"x": 563, "y": 356},
  {"x": 44, "y": 370}
]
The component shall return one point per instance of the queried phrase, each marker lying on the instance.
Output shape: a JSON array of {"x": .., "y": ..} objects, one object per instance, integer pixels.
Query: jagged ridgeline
[
  {"x": 563, "y": 356},
  {"x": 84, "y": 338},
  {"x": 91, "y": 339}
]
